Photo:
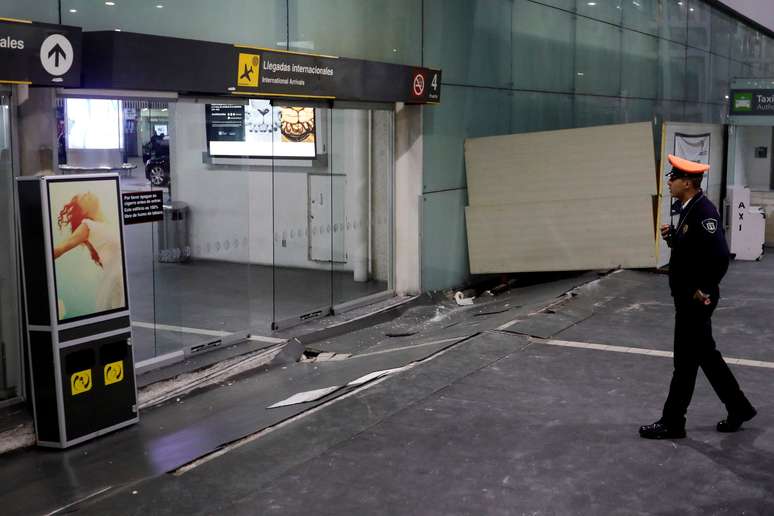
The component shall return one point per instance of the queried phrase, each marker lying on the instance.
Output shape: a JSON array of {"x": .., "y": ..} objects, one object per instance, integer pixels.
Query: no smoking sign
[{"x": 425, "y": 85}]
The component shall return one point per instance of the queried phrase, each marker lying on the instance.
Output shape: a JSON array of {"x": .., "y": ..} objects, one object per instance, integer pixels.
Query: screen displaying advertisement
[
  {"x": 87, "y": 247},
  {"x": 94, "y": 124},
  {"x": 258, "y": 130}
]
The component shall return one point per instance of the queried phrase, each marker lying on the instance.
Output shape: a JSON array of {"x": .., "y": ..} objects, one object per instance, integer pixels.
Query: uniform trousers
[{"x": 694, "y": 347}]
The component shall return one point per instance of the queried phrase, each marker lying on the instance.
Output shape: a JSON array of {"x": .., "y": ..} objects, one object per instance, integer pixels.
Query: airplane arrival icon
[
  {"x": 246, "y": 73},
  {"x": 247, "y": 70}
]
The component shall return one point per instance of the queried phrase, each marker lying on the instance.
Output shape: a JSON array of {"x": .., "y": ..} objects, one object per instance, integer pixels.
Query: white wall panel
[
  {"x": 562, "y": 200},
  {"x": 548, "y": 235},
  {"x": 594, "y": 162}
]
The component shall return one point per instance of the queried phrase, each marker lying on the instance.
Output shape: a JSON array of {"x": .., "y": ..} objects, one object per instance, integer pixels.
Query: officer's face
[{"x": 677, "y": 184}]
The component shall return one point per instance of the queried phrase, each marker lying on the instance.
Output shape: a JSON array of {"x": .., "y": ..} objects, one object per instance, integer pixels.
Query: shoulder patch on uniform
[{"x": 711, "y": 225}]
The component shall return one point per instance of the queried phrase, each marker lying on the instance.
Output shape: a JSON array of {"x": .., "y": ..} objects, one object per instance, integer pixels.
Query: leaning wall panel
[
  {"x": 571, "y": 235},
  {"x": 604, "y": 161}
]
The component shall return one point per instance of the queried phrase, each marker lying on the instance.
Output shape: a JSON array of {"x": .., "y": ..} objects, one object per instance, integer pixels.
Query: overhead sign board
[
  {"x": 123, "y": 60},
  {"x": 274, "y": 72},
  {"x": 39, "y": 53},
  {"x": 752, "y": 102}
]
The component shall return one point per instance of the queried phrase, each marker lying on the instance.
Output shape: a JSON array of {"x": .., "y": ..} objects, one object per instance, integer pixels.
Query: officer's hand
[
  {"x": 702, "y": 297},
  {"x": 666, "y": 231}
]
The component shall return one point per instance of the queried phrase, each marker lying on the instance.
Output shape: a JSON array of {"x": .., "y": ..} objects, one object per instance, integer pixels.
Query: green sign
[
  {"x": 742, "y": 102},
  {"x": 752, "y": 102}
]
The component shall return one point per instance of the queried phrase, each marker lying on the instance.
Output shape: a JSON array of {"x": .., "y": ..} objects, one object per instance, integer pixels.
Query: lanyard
[{"x": 693, "y": 202}]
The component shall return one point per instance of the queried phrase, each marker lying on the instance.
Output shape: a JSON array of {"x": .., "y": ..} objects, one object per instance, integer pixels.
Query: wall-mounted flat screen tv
[{"x": 260, "y": 130}]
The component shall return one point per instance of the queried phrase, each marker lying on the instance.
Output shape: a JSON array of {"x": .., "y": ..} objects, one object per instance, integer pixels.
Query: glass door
[
  {"x": 305, "y": 221},
  {"x": 10, "y": 360},
  {"x": 362, "y": 165}
]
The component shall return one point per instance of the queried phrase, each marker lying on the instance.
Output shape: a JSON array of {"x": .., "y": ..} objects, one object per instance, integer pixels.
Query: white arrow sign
[{"x": 56, "y": 55}]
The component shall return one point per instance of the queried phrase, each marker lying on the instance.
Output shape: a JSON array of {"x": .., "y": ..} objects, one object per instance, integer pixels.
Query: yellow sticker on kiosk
[
  {"x": 114, "y": 372},
  {"x": 80, "y": 382},
  {"x": 247, "y": 72}
]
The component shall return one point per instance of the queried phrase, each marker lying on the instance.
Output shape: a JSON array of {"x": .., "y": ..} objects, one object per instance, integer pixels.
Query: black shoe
[
  {"x": 659, "y": 430},
  {"x": 734, "y": 420}
]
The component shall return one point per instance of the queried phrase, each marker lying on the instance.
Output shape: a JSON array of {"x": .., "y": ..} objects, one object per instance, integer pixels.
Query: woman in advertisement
[{"x": 90, "y": 228}]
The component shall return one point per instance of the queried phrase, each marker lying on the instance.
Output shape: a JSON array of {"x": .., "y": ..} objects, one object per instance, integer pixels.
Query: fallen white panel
[
  {"x": 305, "y": 397},
  {"x": 603, "y": 161},
  {"x": 569, "y": 235},
  {"x": 374, "y": 375}
]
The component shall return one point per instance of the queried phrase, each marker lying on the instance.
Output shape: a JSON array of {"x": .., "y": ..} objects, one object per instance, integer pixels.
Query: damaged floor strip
[
  {"x": 77, "y": 502},
  {"x": 404, "y": 348},
  {"x": 640, "y": 351},
  {"x": 265, "y": 431},
  {"x": 164, "y": 391}
]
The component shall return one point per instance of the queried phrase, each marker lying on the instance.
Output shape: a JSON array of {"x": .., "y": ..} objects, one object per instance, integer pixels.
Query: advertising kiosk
[{"x": 77, "y": 307}]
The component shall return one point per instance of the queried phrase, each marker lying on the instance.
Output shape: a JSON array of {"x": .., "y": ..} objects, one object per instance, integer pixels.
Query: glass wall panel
[
  {"x": 718, "y": 87},
  {"x": 10, "y": 369},
  {"x": 380, "y": 30},
  {"x": 591, "y": 111},
  {"x": 642, "y": 15},
  {"x": 697, "y": 112},
  {"x": 567, "y": 5},
  {"x": 597, "y": 58},
  {"x": 542, "y": 35},
  {"x": 699, "y": 24},
  {"x": 362, "y": 154},
  {"x": 537, "y": 111},
  {"x": 723, "y": 29},
  {"x": 674, "y": 20},
  {"x": 250, "y": 22},
  {"x": 469, "y": 40},
  {"x": 605, "y": 10},
  {"x": 670, "y": 110},
  {"x": 739, "y": 70},
  {"x": 46, "y": 11},
  {"x": 672, "y": 70},
  {"x": 697, "y": 75},
  {"x": 201, "y": 272},
  {"x": 146, "y": 142},
  {"x": 745, "y": 43},
  {"x": 309, "y": 236},
  {"x": 639, "y": 65},
  {"x": 637, "y": 110},
  {"x": 464, "y": 113},
  {"x": 444, "y": 242}
]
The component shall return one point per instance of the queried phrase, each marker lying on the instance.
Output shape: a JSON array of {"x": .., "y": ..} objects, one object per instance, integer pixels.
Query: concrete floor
[{"x": 498, "y": 421}]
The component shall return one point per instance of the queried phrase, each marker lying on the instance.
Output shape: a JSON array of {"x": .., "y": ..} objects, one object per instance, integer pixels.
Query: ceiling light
[
  {"x": 592, "y": 4},
  {"x": 73, "y": 10},
  {"x": 117, "y": 30},
  {"x": 159, "y": 6},
  {"x": 691, "y": 9},
  {"x": 110, "y": 3}
]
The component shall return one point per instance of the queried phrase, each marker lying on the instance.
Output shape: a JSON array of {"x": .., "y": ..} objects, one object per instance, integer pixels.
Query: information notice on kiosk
[{"x": 141, "y": 207}]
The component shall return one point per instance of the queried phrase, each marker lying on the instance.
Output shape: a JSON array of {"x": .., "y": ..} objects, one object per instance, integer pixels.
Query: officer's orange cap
[{"x": 687, "y": 167}]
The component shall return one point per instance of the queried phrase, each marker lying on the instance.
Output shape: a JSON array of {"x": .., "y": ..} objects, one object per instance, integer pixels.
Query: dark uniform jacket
[{"x": 699, "y": 251}]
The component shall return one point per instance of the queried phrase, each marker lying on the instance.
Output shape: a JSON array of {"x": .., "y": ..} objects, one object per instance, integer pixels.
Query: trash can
[{"x": 173, "y": 233}]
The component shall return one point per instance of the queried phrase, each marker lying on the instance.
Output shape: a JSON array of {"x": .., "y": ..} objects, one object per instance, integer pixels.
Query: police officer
[{"x": 698, "y": 262}]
